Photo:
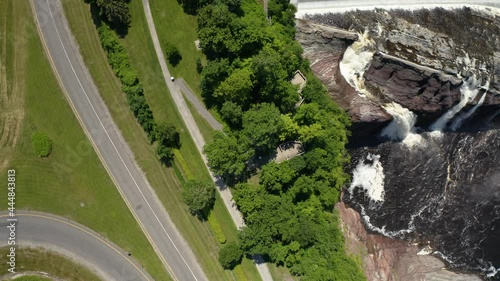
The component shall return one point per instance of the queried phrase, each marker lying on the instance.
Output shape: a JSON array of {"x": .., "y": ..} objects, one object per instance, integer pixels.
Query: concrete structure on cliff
[{"x": 318, "y": 7}]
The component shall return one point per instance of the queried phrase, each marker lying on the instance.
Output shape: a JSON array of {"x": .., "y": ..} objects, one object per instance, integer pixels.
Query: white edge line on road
[{"x": 112, "y": 143}]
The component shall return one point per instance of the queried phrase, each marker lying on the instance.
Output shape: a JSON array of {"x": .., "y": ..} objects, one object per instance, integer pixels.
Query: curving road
[
  {"x": 320, "y": 7},
  {"x": 76, "y": 241},
  {"x": 109, "y": 144}
]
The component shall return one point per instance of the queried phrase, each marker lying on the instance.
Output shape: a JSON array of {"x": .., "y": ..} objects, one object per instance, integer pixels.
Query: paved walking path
[
  {"x": 193, "y": 129},
  {"x": 193, "y": 99}
]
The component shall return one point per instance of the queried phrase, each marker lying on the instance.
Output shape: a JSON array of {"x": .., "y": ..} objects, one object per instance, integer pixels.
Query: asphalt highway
[
  {"x": 76, "y": 241},
  {"x": 109, "y": 144}
]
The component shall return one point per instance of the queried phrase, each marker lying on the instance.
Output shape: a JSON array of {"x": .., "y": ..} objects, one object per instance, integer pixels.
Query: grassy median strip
[
  {"x": 71, "y": 181},
  {"x": 164, "y": 180},
  {"x": 40, "y": 260}
]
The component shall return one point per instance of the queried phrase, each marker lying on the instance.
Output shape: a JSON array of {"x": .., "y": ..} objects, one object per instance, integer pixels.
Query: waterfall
[
  {"x": 401, "y": 127},
  {"x": 356, "y": 60},
  {"x": 460, "y": 119},
  {"x": 468, "y": 92},
  {"x": 370, "y": 177}
]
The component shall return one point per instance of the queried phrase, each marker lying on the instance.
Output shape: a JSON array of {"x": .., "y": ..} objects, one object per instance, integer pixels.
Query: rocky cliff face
[
  {"x": 416, "y": 66},
  {"x": 387, "y": 259},
  {"x": 427, "y": 92},
  {"x": 324, "y": 47}
]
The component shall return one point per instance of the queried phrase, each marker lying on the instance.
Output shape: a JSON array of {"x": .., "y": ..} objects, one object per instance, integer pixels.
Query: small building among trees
[
  {"x": 289, "y": 150},
  {"x": 300, "y": 80}
]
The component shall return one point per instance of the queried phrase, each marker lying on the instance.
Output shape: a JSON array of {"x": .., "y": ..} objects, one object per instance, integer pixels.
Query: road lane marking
[
  {"x": 126, "y": 167},
  {"x": 56, "y": 73},
  {"x": 86, "y": 231}
]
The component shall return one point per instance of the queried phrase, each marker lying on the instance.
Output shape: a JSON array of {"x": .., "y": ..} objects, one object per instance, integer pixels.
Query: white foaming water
[
  {"x": 356, "y": 61},
  {"x": 427, "y": 250},
  {"x": 460, "y": 119},
  {"x": 458, "y": 122},
  {"x": 383, "y": 231},
  {"x": 393, "y": 234},
  {"x": 468, "y": 92},
  {"x": 370, "y": 177},
  {"x": 446, "y": 258},
  {"x": 401, "y": 127},
  {"x": 492, "y": 271}
]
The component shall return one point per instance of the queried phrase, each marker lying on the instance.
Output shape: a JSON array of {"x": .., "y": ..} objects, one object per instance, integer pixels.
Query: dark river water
[{"x": 443, "y": 192}]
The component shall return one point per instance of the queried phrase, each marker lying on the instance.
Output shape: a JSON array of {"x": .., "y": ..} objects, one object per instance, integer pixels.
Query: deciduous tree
[
  {"x": 230, "y": 255},
  {"x": 167, "y": 135},
  {"x": 228, "y": 156},
  {"x": 114, "y": 11},
  {"x": 261, "y": 126},
  {"x": 199, "y": 196}
]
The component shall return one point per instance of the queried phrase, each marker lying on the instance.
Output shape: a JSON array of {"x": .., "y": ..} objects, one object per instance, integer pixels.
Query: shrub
[
  {"x": 230, "y": 255},
  {"x": 120, "y": 63},
  {"x": 188, "y": 175},
  {"x": 199, "y": 65},
  {"x": 41, "y": 144},
  {"x": 173, "y": 54},
  {"x": 240, "y": 274},
  {"x": 216, "y": 228}
]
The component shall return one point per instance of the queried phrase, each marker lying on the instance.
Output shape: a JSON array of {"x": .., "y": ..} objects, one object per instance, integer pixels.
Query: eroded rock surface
[
  {"x": 417, "y": 66},
  {"x": 324, "y": 48},
  {"x": 387, "y": 259}
]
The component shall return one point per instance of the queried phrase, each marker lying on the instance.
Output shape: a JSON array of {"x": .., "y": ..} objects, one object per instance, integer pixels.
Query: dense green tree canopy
[
  {"x": 228, "y": 156},
  {"x": 217, "y": 27},
  {"x": 261, "y": 126},
  {"x": 236, "y": 88},
  {"x": 166, "y": 154},
  {"x": 289, "y": 213},
  {"x": 212, "y": 76},
  {"x": 231, "y": 113}
]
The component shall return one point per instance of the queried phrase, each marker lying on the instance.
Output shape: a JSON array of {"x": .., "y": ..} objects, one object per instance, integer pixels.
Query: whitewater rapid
[
  {"x": 446, "y": 196},
  {"x": 369, "y": 176},
  {"x": 356, "y": 60}
]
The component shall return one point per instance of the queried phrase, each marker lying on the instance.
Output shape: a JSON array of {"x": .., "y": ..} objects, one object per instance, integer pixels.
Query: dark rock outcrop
[
  {"x": 427, "y": 92},
  {"x": 416, "y": 67},
  {"x": 388, "y": 259}
]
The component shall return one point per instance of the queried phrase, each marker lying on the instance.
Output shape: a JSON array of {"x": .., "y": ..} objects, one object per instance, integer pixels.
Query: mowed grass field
[
  {"x": 175, "y": 27},
  {"x": 165, "y": 181},
  {"x": 31, "y": 278},
  {"x": 40, "y": 260},
  {"x": 71, "y": 182}
]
